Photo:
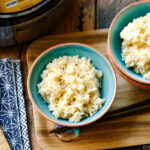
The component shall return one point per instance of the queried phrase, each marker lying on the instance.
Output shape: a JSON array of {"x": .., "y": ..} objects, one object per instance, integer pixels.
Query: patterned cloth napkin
[{"x": 12, "y": 112}]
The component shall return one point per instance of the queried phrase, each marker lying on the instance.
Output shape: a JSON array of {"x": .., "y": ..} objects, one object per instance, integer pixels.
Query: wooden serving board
[
  {"x": 3, "y": 142},
  {"x": 129, "y": 131}
]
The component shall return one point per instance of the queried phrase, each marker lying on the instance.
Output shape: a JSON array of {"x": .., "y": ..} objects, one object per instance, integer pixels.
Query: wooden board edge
[{"x": 72, "y": 34}]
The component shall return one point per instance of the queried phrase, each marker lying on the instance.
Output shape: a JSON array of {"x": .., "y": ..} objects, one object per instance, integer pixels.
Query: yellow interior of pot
[{"x": 11, "y": 6}]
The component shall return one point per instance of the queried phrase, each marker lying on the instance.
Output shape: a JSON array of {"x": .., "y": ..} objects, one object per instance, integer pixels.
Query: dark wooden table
[{"x": 84, "y": 15}]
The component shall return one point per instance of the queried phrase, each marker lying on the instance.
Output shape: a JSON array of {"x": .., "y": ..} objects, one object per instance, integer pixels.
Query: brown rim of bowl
[
  {"x": 125, "y": 77},
  {"x": 51, "y": 48},
  {"x": 108, "y": 42}
]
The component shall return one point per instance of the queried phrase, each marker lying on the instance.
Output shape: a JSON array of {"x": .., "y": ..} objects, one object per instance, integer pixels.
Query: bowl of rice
[
  {"x": 72, "y": 84},
  {"x": 129, "y": 43}
]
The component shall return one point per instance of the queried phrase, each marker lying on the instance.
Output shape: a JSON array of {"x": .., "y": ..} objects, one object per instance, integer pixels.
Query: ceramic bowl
[
  {"x": 138, "y": 84},
  {"x": 109, "y": 83},
  {"x": 121, "y": 20}
]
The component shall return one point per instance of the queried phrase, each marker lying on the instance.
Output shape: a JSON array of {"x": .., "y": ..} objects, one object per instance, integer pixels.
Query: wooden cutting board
[
  {"x": 129, "y": 131},
  {"x": 3, "y": 142}
]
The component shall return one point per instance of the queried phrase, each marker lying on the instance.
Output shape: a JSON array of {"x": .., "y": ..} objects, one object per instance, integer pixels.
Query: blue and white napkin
[{"x": 13, "y": 118}]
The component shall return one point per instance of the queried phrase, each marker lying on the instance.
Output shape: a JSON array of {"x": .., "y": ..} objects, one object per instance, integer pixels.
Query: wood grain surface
[
  {"x": 129, "y": 131},
  {"x": 3, "y": 141},
  {"x": 83, "y": 15},
  {"x": 107, "y": 10}
]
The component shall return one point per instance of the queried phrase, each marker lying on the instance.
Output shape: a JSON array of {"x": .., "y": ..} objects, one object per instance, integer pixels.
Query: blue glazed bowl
[
  {"x": 121, "y": 20},
  {"x": 109, "y": 84}
]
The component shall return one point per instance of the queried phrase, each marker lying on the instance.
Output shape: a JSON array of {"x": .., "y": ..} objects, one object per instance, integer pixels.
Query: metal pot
[{"x": 20, "y": 27}]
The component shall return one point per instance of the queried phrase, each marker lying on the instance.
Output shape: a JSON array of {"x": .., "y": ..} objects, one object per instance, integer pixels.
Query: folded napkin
[{"x": 12, "y": 112}]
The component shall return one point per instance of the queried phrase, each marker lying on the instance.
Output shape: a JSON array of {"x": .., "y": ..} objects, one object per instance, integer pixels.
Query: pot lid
[
  {"x": 28, "y": 14},
  {"x": 26, "y": 11}
]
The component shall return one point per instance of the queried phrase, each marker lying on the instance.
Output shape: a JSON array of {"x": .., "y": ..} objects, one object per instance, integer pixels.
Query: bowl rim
[
  {"x": 52, "y": 48},
  {"x": 126, "y": 77},
  {"x": 109, "y": 50}
]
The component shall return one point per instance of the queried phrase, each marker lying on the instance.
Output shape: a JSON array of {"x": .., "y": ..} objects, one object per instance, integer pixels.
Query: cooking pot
[{"x": 22, "y": 26}]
